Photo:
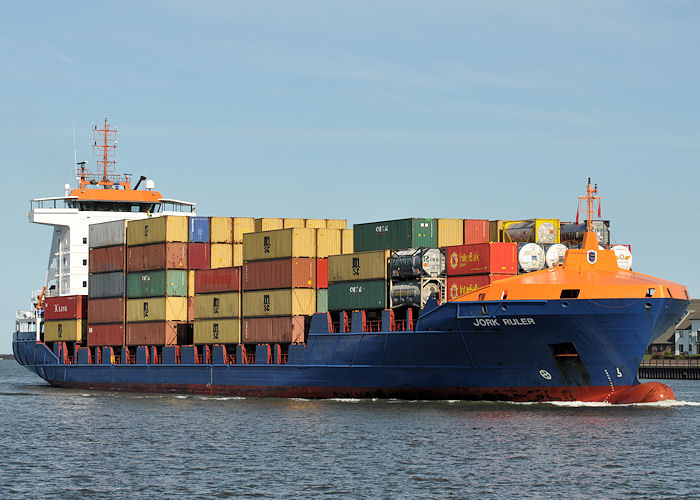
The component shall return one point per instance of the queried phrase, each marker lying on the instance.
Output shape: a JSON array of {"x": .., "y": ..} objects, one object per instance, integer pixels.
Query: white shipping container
[{"x": 107, "y": 234}]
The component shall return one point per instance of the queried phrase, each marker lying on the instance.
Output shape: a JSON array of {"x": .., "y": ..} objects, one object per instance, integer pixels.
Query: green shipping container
[
  {"x": 395, "y": 234},
  {"x": 171, "y": 283},
  {"x": 352, "y": 295},
  {"x": 322, "y": 300}
]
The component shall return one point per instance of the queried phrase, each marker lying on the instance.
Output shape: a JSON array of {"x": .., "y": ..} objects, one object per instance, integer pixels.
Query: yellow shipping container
[
  {"x": 162, "y": 229},
  {"x": 268, "y": 224},
  {"x": 217, "y": 331},
  {"x": 450, "y": 232},
  {"x": 64, "y": 330},
  {"x": 221, "y": 255},
  {"x": 220, "y": 230},
  {"x": 156, "y": 309},
  {"x": 237, "y": 254},
  {"x": 347, "y": 243},
  {"x": 217, "y": 305},
  {"x": 190, "y": 283},
  {"x": 241, "y": 226},
  {"x": 316, "y": 223},
  {"x": 358, "y": 266},
  {"x": 336, "y": 224},
  {"x": 295, "y": 242},
  {"x": 287, "y": 223},
  {"x": 545, "y": 231},
  {"x": 496, "y": 230},
  {"x": 286, "y": 302},
  {"x": 327, "y": 242}
]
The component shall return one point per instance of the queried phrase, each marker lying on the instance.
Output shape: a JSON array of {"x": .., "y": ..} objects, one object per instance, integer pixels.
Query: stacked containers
[
  {"x": 450, "y": 232},
  {"x": 328, "y": 242},
  {"x": 358, "y": 281},
  {"x": 217, "y": 306},
  {"x": 395, "y": 234},
  {"x": 199, "y": 250},
  {"x": 472, "y": 266},
  {"x": 64, "y": 318},
  {"x": 476, "y": 231},
  {"x": 157, "y": 279},
  {"x": 279, "y": 285},
  {"x": 106, "y": 304}
]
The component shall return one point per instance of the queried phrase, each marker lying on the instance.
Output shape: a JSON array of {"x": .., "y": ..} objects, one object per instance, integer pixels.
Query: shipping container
[
  {"x": 217, "y": 331},
  {"x": 156, "y": 309},
  {"x": 190, "y": 309},
  {"x": 476, "y": 231},
  {"x": 105, "y": 285},
  {"x": 358, "y": 266},
  {"x": 287, "y": 223},
  {"x": 450, "y": 232},
  {"x": 107, "y": 259},
  {"x": 285, "y": 302},
  {"x": 336, "y": 224},
  {"x": 316, "y": 223},
  {"x": 217, "y": 305},
  {"x": 109, "y": 334},
  {"x": 218, "y": 280},
  {"x": 199, "y": 256},
  {"x": 221, "y": 230},
  {"x": 395, "y": 234},
  {"x": 64, "y": 330},
  {"x": 241, "y": 226},
  {"x": 351, "y": 295},
  {"x": 171, "y": 283},
  {"x": 66, "y": 307},
  {"x": 496, "y": 230},
  {"x": 531, "y": 257},
  {"x": 268, "y": 224},
  {"x": 163, "y": 229},
  {"x": 199, "y": 230},
  {"x": 322, "y": 300},
  {"x": 532, "y": 231},
  {"x": 152, "y": 333},
  {"x": 107, "y": 234},
  {"x": 459, "y": 285},
  {"x": 417, "y": 262},
  {"x": 237, "y": 254},
  {"x": 279, "y": 244},
  {"x": 347, "y": 241},
  {"x": 221, "y": 255},
  {"x": 190, "y": 283},
  {"x": 279, "y": 273},
  {"x": 171, "y": 255},
  {"x": 572, "y": 234},
  {"x": 328, "y": 242},
  {"x": 276, "y": 330},
  {"x": 321, "y": 273},
  {"x": 482, "y": 258},
  {"x": 112, "y": 310}
]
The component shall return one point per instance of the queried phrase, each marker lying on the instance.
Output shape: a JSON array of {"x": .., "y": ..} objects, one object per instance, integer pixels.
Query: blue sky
[{"x": 361, "y": 110}]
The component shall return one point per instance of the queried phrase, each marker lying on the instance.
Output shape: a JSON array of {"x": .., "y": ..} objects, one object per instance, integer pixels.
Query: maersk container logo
[
  {"x": 266, "y": 244},
  {"x": 592, "y": 256},
  {"x": 355, "y": 266}
]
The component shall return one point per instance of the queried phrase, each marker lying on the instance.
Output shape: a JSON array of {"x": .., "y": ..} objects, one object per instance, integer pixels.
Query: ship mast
[
  {"x": 591, "y": 200},
  {"x": 104, "y": 145}
]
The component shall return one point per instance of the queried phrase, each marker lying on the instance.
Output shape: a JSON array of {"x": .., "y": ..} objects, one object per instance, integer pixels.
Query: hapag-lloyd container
[
  {"x": 105, "y": 285},
  {"x": 65, "y": 330},
  {"x": 358, "y": 266},
  {"x": 107, "y": 259},
  {"x": 112, "y": 310},
  {"x": 328, "y": 242},
  {"x": 284, "y": 302},
  {"x": 217, "y": 305},
  {"x": 321, "y": 273},
  {"x": 156, "y": 309},
  {"x": 199, "y": 256},
  {"x": 476, "y": 231},
  {"x": 482, "y": 258},
  {"x": 226, "y": 279},
  {"x": 151, "y": 333},
  {"x": 107, "y": 234},
  {"x": 167, "y": 228},
  {"x": 279, "y": 244},
  {"x": 450, "y": 232},
  {"x": 395, "y": 234},
  {"x": 297, "y": 272},
  {"x": 278, "y": 330},
  {"x": 110, "y": 334},
  {"x": 459, "y": 285},
  {"x": 350, "y": 295},
  {"x": 157, "y": 256},
  {"x": 66, "y": 307},
  {"x": 171, "y": 283},
  {"x": 199, "y": 230},
  {"x": 217, "y": 331}
]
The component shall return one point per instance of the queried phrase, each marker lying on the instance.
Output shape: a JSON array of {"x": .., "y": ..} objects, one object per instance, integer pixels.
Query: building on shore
[{"x": 683, "y": 337}]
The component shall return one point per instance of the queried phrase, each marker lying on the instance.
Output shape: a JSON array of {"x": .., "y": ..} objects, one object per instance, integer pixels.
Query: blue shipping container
[{"x": 199, "y": 229}]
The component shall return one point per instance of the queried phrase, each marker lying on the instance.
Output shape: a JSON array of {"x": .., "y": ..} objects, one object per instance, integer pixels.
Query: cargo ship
[{"x": 144, "y": 295}]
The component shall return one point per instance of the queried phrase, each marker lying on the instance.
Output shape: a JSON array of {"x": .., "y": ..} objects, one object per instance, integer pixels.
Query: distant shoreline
[{"x": 7, "y": 356}]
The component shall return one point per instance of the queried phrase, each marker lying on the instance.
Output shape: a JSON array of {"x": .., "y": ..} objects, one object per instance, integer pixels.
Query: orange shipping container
[
  {"x": 156, "y": 256},
  {"x": 279, "y": 273},
  {"x": 151, "y": 333},
  {"x": 278, "y": 330},
  {"x": 459, "y": 285},
  {"x": 106, "y": 259},
  {"x": 106, "y": 311},
  {"x": 111, "y": 334},
  {"x": 476, "y": 231}
]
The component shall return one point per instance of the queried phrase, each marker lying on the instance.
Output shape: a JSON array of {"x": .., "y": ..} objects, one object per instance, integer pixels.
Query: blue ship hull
[{"x": 581, "y": 349}]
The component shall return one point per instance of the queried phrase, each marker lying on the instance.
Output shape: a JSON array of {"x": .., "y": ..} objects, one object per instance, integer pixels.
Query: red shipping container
[
  {"x": 157, "y": 256},
  {"x": 224, "y": 279},
  {"x": 199, "y": 256},
  {"x": 482, "y": 258},
  {"x": 459, "y": 285},
  {"x": 190, "y": 309},
  {"x": 321, "y": 273},
  {"x": 279, "y": 330},
  {"x": 66, "y": 307},
  {"x": 476, "y": 231},
  {"x": 279, "y": 273},
  {"x": 106, "y": 310},
  {"x": 105, "y": 335},
  {"x": 107, "y": 259},
  {"x": 151, "y": 333}
]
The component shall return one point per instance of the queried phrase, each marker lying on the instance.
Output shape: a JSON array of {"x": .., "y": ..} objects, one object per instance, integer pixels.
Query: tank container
[
  {"x": 544, "y": 231},
  {"x": 531, "y": 257},
  {"x": 554, "y": 254},
  {"x": 624, "y": 256},
  {"x": 413, "y": 263}
]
